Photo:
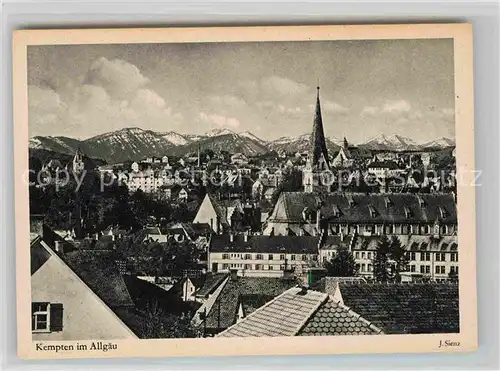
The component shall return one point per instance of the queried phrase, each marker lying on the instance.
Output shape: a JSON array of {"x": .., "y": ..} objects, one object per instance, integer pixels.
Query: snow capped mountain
[
  {"x": 175, "y": 139},
  {"x": 57, "y": 144},
  {"x": 127, "y": 144},
  {"x": 249, "y": 135},
  {"x": 219, "y": 132},
  {"x": 302, "y": 143},
  {"x": 390, "y": 143},
  {"x": 225, "y": 140},
  {"x": 193, "y": 137},
  {"x": 336, "y": 141},
  {"x": 442, "y": 142}
]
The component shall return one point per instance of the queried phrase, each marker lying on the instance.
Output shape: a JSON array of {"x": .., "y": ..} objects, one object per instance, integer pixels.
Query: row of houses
[{"x": 429, "y": 257}]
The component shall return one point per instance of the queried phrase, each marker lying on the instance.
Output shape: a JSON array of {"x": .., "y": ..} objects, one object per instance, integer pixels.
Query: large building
[
  {"x": 303, "y": 213},
  {"x": 263, "y": 256},
  {"x": 430, "y": 257}
]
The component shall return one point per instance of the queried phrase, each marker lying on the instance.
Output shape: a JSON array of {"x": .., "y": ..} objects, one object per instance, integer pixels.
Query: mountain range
[{"x": 136, "y": 144}]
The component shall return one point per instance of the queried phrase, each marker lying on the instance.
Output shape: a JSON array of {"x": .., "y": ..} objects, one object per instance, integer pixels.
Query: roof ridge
[
  {"x": 258, "y": 310},
  {"x": 313, "y": 311}
]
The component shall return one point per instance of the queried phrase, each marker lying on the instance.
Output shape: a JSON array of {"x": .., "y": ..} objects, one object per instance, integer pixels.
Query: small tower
[
  {"x": 317, "y": 163},
  {"x": 78, "y": 164}
]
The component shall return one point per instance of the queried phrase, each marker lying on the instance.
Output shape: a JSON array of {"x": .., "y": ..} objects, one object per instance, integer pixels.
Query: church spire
[{"x": 319, "y": 154}]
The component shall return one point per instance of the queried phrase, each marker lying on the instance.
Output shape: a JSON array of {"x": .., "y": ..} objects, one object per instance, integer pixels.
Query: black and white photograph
[{"x": 243, "y": 189}]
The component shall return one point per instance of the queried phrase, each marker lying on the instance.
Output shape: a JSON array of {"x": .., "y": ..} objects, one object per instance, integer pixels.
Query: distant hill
[
  {"x": 136, "y": 144},
  {"x": 224, "y": 141},
  {"x": 390, "y": 143},
  {"x": 301, "y": 143}
]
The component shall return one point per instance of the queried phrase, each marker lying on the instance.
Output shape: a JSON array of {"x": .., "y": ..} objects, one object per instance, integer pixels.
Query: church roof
[{"x": 318, "y": 142}]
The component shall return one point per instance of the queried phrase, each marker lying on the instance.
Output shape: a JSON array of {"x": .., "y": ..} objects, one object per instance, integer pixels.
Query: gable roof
[
  {"x": 356, "y": 207},
  {"x": 222, "y": 312},
  {"x": 405, "y": 308},
  {"x": 301, "y": 313},
  {"x": 212, "y": 281},
  {"x": 265, "y": 244},
  {"x": 41, "y": 253},
  {"x": 98, "y": 270}
]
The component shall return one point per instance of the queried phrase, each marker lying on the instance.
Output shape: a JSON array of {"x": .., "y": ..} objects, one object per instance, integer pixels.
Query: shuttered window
[{"x": 46, "y": 317}]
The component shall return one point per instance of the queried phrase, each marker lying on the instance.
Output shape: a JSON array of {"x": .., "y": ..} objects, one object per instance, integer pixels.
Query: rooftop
[{"x": 301, "y": 313}]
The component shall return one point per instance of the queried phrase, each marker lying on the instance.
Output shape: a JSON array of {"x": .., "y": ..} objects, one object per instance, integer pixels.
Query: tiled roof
[
  {"x": 329, "y": 284},
  {"x": 333, "y": 242},
  {"x": 301, "y": 313},
  {"x": 333, "y": 318},
  {"x": 97, "y": 269},
  {"x": 399, "y": 308},
  {"x": 212, "y": 281},
  {"x": 265, "y": 244},
  {"x": 411, "y": 242},
  {"x": 424, "y": 208},
  {"x": 224, "y": 309}
]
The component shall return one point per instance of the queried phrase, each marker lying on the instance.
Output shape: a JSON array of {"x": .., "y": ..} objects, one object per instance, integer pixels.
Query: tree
[
  {"x": 342, "y": 264},
  {"x": 381, "y": 260},
  {"x": 397, "y": 253},
  {"x": 156, "y": 324}
]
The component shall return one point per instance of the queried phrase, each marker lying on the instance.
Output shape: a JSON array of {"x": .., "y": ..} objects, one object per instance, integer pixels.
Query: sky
[{"x": 367, "y": 87}]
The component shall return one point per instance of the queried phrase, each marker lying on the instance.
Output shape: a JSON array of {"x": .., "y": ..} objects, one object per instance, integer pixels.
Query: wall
[{"x": 85, "y": 316}]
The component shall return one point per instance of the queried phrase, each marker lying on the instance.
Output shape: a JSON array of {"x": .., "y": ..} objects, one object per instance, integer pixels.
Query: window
[
  {"x": 412, "y": 256},
  {"x": 363, "y": 267},
  {"x": 248, "y": 256},
  {"x": 270, "y": 257},
  {"x": 282, "y": 256},
  {"x": 292, "y": 257},
  {"x": 370, "y": 268},
  {"x": 259, "y": 257},
  {"x": 454, "y": 269},
  {"x": 258, "y": 267},
  {"x": 225, "y": 256},
  {"x": 454, "y": 257},
  {"x": 427, "y": 269},
  {"x": 357, "y": 255},
  {"x": 248, "y": 266},
  {"x": 425, "y": 256},
  {"x": 225, "y": 266},
  {"x": 40, "y": 317},
  {"x": 440, "y": 269},
  {"x": 315, "y": 257},
  {"x": 369, "y": 255},
  {"x": 363, "y": 255},
  {"x": 412, "y": 268},
  {"x": 271, "y": 268},
  {"x": 304, "y": 257},
  {"x": 422, "y": 269}
]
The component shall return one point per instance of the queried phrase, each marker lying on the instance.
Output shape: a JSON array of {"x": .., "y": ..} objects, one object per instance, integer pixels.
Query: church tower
[{"x": 315, "y": 176}]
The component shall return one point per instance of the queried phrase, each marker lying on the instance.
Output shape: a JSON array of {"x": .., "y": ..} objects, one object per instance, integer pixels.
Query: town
[{"x": 357, "y": 241}]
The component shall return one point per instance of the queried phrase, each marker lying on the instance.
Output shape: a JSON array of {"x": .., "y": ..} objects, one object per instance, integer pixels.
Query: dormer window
[
  {"x": 388, "y": 202},
  {"x": 373, "y": 212},
  {"x": 407, "y": 213},
  {"x": 442, "y": 212}
]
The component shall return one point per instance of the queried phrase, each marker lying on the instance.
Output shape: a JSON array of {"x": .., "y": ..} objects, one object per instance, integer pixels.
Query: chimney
[
  {"x": 231, "y": 237},
  {"x": 233, "y": 274},
  {"x": 303, "y": 289},
  {"x": 341, "y": 235},
  {"x": 245, "y": 237}
]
